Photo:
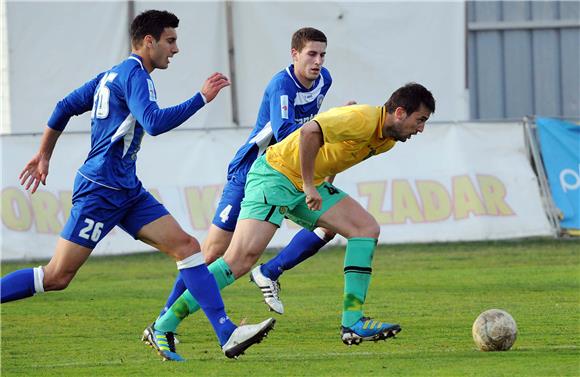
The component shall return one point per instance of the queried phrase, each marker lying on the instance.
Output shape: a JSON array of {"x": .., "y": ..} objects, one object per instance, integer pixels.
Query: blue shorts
[
  {"x": 97, "y": 209},
  {"x": 228, "y": 209}
]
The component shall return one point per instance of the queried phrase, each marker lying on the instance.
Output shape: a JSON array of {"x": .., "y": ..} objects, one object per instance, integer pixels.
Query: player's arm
[
  {"x": 311, "y": 141},
  {"x": 155, "y": 120},
  {"x": 282, "y": 113},
  {"x": 36, "y": 170},
  {"x": 77, "y": 102}
]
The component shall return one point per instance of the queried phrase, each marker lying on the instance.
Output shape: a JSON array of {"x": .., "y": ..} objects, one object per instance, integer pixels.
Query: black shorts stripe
[
  {"x": 270, "y": 213},
  {"x": 357, "y": 269}
]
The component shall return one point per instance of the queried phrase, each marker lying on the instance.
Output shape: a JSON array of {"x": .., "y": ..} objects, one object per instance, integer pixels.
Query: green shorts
[{"x": 270, "y": 196}]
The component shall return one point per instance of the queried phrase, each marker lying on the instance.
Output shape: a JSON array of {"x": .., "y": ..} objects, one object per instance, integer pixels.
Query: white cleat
[
  {"x": 245, "y": 336},
  {"x": 270, "y": 290}
]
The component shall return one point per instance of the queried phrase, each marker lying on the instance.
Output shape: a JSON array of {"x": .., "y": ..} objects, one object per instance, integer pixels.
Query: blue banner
[{"x": 560, "y": 147}]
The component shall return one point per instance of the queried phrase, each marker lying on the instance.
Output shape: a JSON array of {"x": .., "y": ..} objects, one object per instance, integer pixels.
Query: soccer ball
[{"x": 494, "y": 330}]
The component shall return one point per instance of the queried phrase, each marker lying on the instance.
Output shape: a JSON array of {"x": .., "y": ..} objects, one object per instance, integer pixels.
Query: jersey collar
[
  {"x": 383, "y": 111},
  {"x": 138, "y": 58},
  {"x": 290, "y": 72}
]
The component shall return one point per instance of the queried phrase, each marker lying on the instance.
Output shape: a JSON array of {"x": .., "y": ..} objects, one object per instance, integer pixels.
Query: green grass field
[{"x": 434, "y": 291}]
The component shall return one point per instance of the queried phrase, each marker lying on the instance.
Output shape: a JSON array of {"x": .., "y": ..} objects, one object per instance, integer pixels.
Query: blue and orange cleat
[{"x": 368, "y": 329}]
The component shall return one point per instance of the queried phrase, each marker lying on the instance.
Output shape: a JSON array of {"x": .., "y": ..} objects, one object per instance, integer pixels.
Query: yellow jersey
[{"x": 351, "y": 134}]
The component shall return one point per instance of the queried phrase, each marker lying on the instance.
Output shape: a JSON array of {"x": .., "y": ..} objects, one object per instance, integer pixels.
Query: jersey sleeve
[
  {"x": 77, "y": 102},
  {"x": 343, "y": 123},
  {"x": 142, "y": 102},
  {"x": 282, "y": 112}
]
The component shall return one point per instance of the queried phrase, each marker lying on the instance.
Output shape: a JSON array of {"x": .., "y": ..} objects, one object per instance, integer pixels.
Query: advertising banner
[
  {"x": 560, "y": 147},
  {"x": 453, "y": 182}
]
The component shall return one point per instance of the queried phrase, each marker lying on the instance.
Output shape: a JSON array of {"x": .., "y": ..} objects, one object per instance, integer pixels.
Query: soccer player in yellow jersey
[{"x": 288, "y": 181}]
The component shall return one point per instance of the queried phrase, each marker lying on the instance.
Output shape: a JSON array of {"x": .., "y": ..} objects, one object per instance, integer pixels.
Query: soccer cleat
[
  {"x": 270, "y": 289},
  {"x": 162, "y": 342},
  {"x": 245, "y": 336},
  {"x": 368, "y": 329}
]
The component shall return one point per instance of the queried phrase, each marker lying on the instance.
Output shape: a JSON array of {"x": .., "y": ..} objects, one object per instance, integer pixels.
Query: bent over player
[
  {"x": 107, "y": 192},
  {"x": 288, "y": 181}
]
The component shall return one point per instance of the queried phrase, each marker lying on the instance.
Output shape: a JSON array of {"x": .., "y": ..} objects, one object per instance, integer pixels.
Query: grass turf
[{"x": 434, "y": 291}]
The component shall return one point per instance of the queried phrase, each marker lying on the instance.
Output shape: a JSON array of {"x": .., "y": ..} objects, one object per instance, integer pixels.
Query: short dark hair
[
  {"x": 410, "y": 97},
  {"x": 305, "y": 35},
  {"x": 151, "y": 22}
]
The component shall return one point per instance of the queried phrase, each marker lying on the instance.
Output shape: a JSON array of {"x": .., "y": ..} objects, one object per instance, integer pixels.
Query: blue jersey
[
  {"x": 123, "y": 105},
  {"x": 286, "y": 105}
]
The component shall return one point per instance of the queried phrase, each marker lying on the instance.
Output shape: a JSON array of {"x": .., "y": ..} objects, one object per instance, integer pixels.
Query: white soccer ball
[{"x": 494, "y": 330}]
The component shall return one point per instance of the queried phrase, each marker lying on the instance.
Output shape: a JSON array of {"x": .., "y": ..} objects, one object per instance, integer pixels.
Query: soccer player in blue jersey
[
  {"x": 107, "y": 192},
  {"x": 292, "y": 98}
]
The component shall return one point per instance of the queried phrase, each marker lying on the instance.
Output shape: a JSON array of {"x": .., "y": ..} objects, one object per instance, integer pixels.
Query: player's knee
[
  {"x": 211, "y": 253},
  {"x": 374, "y": 230},
  {"x": 241, "y": 263},
  {"x": 56, "y": 281},
  {"x": 370, "y": 229},
  {"x": 186, "y": 247}
]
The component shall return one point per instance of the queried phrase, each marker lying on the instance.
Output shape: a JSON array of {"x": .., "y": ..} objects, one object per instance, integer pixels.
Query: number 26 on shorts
[{"x": 92, "y": 231}]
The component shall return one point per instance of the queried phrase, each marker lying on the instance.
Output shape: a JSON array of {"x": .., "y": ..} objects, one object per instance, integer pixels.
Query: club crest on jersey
[
  {"x": 319, "y": 100},
  {"x": 284, "y": 106},
  {"x": 152, "y": 94}
]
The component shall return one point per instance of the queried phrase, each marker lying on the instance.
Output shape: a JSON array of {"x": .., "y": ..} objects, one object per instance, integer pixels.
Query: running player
[
  {"x": 107, "y": 191},
  {"x": 293, "y": 97},
  {"x": 288, "y": 181}
]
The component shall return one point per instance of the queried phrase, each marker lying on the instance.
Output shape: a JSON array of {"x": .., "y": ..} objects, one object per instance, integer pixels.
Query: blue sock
[
  {"x": 178, "y": 289},
  {"x": 203, "y": 287},
  {"x": 304, "y": 245},
  {"x": 17, "y": 285}
]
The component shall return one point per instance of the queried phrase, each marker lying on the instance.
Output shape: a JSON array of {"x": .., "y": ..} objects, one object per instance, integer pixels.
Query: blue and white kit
[
  {"x": 107, "y": 192},
  {"x": 286, "y": 105}
]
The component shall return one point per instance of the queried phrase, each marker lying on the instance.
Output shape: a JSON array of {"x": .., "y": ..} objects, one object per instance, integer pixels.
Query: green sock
[
  {"x": 357, "y": 276},
  {"x": 186, "y": 304}
]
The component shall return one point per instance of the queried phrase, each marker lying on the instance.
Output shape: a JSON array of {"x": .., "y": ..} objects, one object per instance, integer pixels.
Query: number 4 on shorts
[{"x": 225, "y": 213}]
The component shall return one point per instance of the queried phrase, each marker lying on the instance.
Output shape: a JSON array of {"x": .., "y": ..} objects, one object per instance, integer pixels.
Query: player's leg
[
  {"x": 303, "y": 245},
  {"x": 258, "y": 221},
  {"x": 216, "y": 243},
  {"x": 90, "y": 220},
  {"x": 218, "y": 237},
  {"x": 349, "y": 219},
  {"x": 249, "y": 242},
  {"x": 165, "y": 234},
  {"x": 56, "y": 275},
  {"x": 224, "y": 221}
]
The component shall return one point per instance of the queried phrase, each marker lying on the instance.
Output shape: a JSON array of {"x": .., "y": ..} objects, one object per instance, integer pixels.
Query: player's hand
[
  {"x": 351, "y": 102},
  {"x": 313, "y": 198},
  {"x": 34, "y": 173},
  {"x": 213, "y": 85}
]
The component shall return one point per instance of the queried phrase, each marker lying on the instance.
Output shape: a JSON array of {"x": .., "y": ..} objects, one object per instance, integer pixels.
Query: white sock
[
  {"x": 38, "y": 279},
  {"x": 191, "y": 261}
]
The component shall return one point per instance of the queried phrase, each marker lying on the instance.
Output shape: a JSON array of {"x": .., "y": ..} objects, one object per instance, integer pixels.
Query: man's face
[
  {"x": 308, "y": 62},
  {"x": 407, "y": 125},
  {"x": 163, "y": 49}
]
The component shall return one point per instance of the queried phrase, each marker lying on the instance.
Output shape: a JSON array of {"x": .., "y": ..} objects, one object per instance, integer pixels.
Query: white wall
[
  {"x": 479, "y": 186},
  {"x": 55, "y": 47},
  {"x": 373, "y": 48},
  {"x": 4, "y": 76}
]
